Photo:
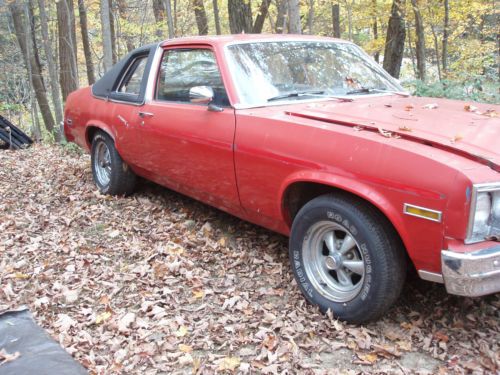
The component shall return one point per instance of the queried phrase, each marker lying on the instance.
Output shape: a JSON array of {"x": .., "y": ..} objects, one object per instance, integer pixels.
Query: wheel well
[
  {"x": 299, "y": 193},
  {"x": 91, "y": 130}
]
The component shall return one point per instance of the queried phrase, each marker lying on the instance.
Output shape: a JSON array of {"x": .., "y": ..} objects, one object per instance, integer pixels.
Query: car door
[
  {"x": 189, "y": 146},
  {"x": 124, "y": 108}
]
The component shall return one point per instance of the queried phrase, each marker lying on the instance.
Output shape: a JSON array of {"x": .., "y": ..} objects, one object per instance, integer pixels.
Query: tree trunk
[
  {"x": 310, "y": 18},
  {"x": 261, "y": 17},
  {"x": 445, "y": 35},
  {"x": 336, "y": 20},
  {"x": 281, "y": 21},
  {"x": 201, "y": 16},
  {"x": 106, "y": 36},
  {"x": 170, "y": 20},
  {"x": 420, "y": 41},
  {"x": 375, "y": 28},
  {"x": 51, "y": 63},
  {"x": 68, "y": 76},
  {"x": 240, "y": 16},
  {"x": 122, "y": 11},
  {"x": 349, "y": 19},
  {"x": 85, "y": 41},
  {"x": 114, "y": 55},
  {"x": 26, "y": 46},
  {"x": 395, "y": 40},
  {"x": 216, "y": 17},
  {"x": 294, "y": 25},
  {"x": 160, "y": 16}
]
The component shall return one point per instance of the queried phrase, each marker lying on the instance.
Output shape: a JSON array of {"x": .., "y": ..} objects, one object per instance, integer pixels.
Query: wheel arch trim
[
  {"x": 349, "y": 185},
  {"x": 99, "y": 125}
]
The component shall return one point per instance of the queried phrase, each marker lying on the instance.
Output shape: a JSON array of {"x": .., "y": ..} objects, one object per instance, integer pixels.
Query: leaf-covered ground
[{"x": 159, "y": 283}]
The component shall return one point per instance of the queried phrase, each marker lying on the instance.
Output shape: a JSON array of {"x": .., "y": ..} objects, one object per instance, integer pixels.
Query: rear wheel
[
  {"x": 111, "y": 174},
  {"x": 347, "y": 258}
]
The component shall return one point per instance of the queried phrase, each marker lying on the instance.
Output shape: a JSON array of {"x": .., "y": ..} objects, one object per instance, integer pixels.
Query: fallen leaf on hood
[
  {"x": 456, "y": 138},
  {"x": 405, "y": 128},
  {"x": 430, "y": 106},
  {"x": 490, "y": 113},
  {"x": 470, "y": 108},
  {"x": 409, "y": 107}
]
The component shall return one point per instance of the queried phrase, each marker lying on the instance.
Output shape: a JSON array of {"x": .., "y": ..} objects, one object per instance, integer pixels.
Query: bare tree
[
  {"x": 114, "y": 53},
  {"x": 106, "y": 35},
  {"x": 68, "y": 75},
  {"x": 201, "y": 16},
  {"x": 445, "y": 35},
  {"x": 336, "y": 20},
  {"x": 26, "y": 45},
  {"x": 395, "y": 40},
  {"x": 159, "y": 12},
  {"x": 240, "y": 16},
  {"x": 281, "y": 17},
  {"x": 261, "y": 16},
  {"x": 420, "y": 42},
  {"x": 310, "y": 18},
  {"x": 216, "y": 17},
  {"x": 294, "y": 23},
  {"x": 375, "y": 28},
  {"x": 170, "y": 20},
  {"x": 82, "y": 10},
  {"x": 51, "y": 63}
]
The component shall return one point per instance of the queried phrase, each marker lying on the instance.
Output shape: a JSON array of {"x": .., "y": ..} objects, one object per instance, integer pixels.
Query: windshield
[{"x": 296, "y": 70}]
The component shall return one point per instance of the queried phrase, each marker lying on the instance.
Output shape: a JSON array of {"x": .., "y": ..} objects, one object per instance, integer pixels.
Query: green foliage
[{"x": 476, "y": 88}]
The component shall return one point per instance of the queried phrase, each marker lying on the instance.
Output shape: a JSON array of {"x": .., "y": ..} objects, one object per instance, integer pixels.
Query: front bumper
[{"x": 471, "y": 274}]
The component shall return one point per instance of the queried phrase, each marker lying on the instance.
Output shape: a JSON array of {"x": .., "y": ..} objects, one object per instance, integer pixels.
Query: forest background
[{"x": 441, "y": 48}]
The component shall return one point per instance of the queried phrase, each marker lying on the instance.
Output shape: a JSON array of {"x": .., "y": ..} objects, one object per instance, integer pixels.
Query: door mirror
[{"x": 201, "y": 94}]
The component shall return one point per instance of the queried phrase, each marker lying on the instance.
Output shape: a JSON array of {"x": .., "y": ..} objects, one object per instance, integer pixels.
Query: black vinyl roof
[{"x": 107, "y": 85}]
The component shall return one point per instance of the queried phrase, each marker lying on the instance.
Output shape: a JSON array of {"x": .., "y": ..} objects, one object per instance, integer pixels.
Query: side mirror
[{"x": 201, "y": 94}]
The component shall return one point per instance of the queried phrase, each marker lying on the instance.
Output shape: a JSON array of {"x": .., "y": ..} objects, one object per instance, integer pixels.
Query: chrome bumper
[{"x": 471, "y": 274}]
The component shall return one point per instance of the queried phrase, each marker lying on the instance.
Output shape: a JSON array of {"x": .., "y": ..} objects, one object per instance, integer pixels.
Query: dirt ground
[{"x": 159, "y": 283}]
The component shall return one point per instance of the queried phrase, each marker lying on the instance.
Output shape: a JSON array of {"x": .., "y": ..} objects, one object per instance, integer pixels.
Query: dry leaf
[
  {"x": 405, "y": 128},
  {"x": 409, "y": 107},
  {"x": 7, "y": 357},
  {"x": 470, "y": 108},
  {"x": 430, "y": 106},
  {"x": 229, "y": 363},
  {"x": 182, "y": 331},
  {"x": 102, "y": 317},
  {"x": 125, "y": 322},
  {"x": 185, "y": 348},
  {"x": 456, "y": 138}
]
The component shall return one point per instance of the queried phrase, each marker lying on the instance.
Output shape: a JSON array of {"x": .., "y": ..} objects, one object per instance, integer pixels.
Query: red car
[{"x": 308, "y": 137}]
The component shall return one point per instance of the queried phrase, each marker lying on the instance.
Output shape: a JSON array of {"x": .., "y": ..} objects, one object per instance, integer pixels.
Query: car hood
[{"x": 468, "y": 129}]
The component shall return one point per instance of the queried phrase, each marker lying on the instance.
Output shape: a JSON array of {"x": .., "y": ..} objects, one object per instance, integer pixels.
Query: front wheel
[
  {"x": 346, "y": 258},
  {"x": 111, "y": 174}
]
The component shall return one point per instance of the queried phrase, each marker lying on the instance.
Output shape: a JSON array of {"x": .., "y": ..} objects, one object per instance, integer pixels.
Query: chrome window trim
[
  {"x": 438, "y": 220},
  {"x": 155, "y": 65},
  {"x": 477, "y": 188}
]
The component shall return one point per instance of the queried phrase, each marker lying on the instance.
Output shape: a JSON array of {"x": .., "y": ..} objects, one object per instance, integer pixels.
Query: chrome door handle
[{"x": 146, "y": 114}]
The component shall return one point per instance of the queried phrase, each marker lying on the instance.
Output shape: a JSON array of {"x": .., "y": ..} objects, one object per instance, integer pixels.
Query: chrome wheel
[
  {"x": 333, "y": 261},
  {"x": 102, "y": 163}
]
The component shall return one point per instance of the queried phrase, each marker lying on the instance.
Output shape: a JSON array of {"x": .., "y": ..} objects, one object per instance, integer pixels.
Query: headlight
[{"x": 484, "y": 220}]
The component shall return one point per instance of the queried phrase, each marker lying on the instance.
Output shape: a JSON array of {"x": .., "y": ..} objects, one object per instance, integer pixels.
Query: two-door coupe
[{"x": 308, "y": 137}]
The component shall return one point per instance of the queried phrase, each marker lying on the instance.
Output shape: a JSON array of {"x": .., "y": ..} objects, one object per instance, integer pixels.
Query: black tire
[
  {"x": 120, "y": 178},
  {"x": 377, "y": 245}
]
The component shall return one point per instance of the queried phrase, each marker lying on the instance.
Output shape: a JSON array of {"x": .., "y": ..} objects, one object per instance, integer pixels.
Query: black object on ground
[
  {"x": 26, "y": 349},
  {"x": 11, "y": 136}
]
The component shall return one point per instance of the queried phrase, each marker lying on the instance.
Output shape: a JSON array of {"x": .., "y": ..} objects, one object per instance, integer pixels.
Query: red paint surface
[{"x": 243, "y": 161}]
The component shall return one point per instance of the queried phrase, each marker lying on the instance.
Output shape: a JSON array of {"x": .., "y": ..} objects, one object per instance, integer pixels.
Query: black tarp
[
  {"x": 11, "y": 136},
  {"x": 39, "y": 354}
]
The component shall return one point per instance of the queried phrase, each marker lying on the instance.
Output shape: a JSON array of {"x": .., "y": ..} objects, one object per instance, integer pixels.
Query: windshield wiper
[
  {"x": 295, "y": 94},
  {"x": 368, "y": 90}
]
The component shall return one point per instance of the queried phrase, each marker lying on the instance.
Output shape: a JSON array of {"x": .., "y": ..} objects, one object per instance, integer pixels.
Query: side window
[
  {"x": 131, "y": 82},
  {"x": 183, "y": 69}
]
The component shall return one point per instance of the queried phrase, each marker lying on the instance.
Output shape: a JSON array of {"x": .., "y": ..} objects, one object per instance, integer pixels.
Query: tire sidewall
[
  {"x": 100, "y": 137},
  {"x": 359, "y": 306}
]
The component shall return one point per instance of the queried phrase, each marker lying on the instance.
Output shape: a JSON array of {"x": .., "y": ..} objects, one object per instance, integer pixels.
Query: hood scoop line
[{"x": 402, "y": 135}]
